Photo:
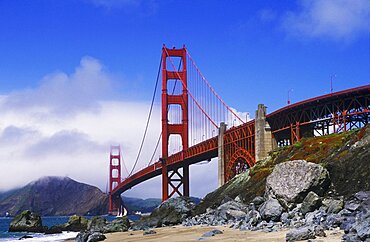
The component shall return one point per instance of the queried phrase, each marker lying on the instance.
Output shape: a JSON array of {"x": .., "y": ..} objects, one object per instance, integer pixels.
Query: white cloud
[
  {"x": 64, "y": 127},
  {"x": 334, "y": 19},
  {"x": 62, "y": 93}
]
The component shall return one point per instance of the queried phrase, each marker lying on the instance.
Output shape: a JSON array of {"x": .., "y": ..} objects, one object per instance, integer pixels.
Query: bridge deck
[{"x": 205, "y": 150}]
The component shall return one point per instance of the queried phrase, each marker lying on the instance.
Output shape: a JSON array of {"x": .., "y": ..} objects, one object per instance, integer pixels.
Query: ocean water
[{"x": 48, "y": 221}]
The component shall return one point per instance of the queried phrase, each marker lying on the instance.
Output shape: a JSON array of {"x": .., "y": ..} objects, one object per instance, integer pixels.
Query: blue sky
[
  {"x": 251, "y": 52},
  {"x": 247, "y": 43}
]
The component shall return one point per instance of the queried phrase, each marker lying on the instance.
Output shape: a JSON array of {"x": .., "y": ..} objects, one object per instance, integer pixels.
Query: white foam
[{"x": 47, "y": 238}]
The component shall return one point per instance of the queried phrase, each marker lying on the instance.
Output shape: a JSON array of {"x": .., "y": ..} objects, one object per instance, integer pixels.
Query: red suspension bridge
[{"x": 197, "y": 125}]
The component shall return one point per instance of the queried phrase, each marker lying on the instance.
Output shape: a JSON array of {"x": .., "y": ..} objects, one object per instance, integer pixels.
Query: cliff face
[{"x": 50, "y": 196}]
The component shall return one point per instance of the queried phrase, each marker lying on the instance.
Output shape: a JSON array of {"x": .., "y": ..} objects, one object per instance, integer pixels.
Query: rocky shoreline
[
  {"x": 89, "y": 229},
  {"x": 295, "y": 199}
]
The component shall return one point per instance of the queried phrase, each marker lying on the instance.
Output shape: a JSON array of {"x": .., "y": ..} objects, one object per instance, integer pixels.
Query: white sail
[{"x": 119, "y": 212}]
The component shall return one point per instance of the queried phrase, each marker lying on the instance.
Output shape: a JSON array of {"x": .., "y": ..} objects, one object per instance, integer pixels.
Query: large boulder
[
  {"x": 27, "y": 221},
  {"x": 171, "y": 212},
  {"x": 231, "y": 210},
  {"x": 117, "y": 225},
  {"x": 97, "y": 224},
  {"x": 271, "y": 210},
  {"x": 76, "y": 223},
  {"x": 302, "y": 233},
  {"x": 89, "y": 236},
  {"x": 291, "y": 181}
]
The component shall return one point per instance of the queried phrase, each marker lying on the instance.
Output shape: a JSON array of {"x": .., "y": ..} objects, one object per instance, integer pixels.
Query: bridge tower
[
  {"x": 115, "y": 202},
  {"x": 174, "y": 179}
]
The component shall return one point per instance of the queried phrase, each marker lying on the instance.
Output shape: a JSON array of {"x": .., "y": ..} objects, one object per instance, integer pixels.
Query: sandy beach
[{"x": 181, "y": 233}]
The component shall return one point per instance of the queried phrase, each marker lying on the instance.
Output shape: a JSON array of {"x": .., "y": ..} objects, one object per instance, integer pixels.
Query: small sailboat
[
  {"x": 7, "y": 214},
  {"x": 120, "y": 214}
]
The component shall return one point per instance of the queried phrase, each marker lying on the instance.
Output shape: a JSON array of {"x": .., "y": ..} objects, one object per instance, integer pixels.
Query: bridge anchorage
[{"x": 197, "y": 125}]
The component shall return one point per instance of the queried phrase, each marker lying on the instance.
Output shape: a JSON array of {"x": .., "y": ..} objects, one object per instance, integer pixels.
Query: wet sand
[{"x": 180, "y": 233}]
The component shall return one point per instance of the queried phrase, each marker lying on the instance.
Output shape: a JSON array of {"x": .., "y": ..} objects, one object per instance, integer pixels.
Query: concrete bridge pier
[
  {"x": 221, "y": 154},
  {"x": 264, "y": 142}
]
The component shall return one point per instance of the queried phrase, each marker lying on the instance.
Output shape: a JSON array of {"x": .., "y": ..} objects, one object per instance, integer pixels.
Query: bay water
[{"x": 46, "y": 221}]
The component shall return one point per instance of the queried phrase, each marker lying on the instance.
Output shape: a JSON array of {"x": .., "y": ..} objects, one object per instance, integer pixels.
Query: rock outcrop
[
  {"x": 98, "y": 226},
  {"x": 27, "y": 221},
  {"x": 75, "y": 223},
  {"x": 291, "y": 181},
  {"x": 171, "y": 212},
  {"x": 305, "y": 211},
  {"x": 90, "y": 237}
]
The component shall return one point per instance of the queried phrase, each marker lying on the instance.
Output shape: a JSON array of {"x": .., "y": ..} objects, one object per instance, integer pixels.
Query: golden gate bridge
[{"x": 197, "y": 125}]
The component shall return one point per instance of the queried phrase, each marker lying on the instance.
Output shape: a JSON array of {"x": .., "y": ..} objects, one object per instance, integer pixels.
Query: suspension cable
[
  {"x": 160, "y": 136},
  {"x": 124, "y": 164},
  {"x": 148, "y": 120},
  {"x": 190, "y": 94},
  {"x": 155, "y": 149},
  {"x": 210, "y": 87}
]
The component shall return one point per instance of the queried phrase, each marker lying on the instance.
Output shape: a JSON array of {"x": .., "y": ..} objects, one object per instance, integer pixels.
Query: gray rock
[
  {"x": 96, "y": 236},
  {"x": 347, "y": 224},
  {"x": 97, "y": 224},
  {"x": 117, "y": 225},
  {"x": 258, "y": 200},
  {"x": 362, "y": 195},
  {"x": 303, "y": 233},
  {"x": 362, "y": 226},
  {"x": 27, "y": 221},
  {"x": 311, "y": 202},
  {"x": 56, "y": 229},
  {"x": 253, "y": 218},
  {"x": 333, "y": 220},
  {"x": 232, "y": 210},
  {"x": 351, "y": 237},
  {"x": 291, "y": 181},
  {"x": 285, "y": 218},
  {"x": 212, "y": 233},
  {"x": 149, "y": 232},
  {"x": 171, "y": 212},
  {"x": 319, "y": 231},
  {"x": 238, "y": 199},
  {"x": 352, "y": 205},
  {"x": 82, "y": 236},
  {"x": 333, "y": 205},
  {"x": 271, "y": 210},
  {"x": 312, "y": 218},
  {"x": 75, "y": 223}
]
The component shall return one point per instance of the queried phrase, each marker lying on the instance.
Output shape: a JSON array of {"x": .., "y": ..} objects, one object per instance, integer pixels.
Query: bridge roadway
[{"x": 305, "y": 112}]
